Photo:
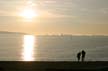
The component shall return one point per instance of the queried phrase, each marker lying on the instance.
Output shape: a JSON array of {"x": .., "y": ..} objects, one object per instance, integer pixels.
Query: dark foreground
[{"x": 53, "y": 66}]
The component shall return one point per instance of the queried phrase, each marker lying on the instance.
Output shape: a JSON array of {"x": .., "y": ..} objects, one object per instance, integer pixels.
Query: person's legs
[
  {"x": 83, "y": 59},
  {"x": 78, "y": 59}
]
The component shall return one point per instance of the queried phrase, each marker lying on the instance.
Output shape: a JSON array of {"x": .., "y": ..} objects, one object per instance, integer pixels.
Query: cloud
[
  {"x": 8, "y": 13},
  {"x": 104, "y": 10},
  {"x": 5, "y": 13},
  {"x": 47, "y": 14}
]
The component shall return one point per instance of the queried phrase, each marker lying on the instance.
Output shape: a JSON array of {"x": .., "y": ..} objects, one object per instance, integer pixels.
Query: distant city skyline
[{"x": 41, "y": 17}]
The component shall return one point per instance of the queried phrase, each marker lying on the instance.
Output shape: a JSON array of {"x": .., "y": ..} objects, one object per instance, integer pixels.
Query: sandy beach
[{"x": 53, "y": 66}]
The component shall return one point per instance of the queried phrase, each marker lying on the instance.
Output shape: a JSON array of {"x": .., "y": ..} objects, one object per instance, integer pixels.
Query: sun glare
[
  {"x": 28, "y": 14},
  {"x": 28, "y": 47}
]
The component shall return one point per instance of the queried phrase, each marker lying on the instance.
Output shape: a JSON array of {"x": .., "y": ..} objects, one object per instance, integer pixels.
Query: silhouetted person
[
  {"x": 83, "y": 55},
  {"x": 78, "y": 56}
]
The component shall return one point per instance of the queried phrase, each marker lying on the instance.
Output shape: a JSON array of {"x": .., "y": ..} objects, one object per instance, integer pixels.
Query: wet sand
[{"x": 53, "y": 66}]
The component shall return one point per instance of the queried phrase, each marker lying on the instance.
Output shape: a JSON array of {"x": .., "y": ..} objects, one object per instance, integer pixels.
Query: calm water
[{"x": 16, "y": 47}]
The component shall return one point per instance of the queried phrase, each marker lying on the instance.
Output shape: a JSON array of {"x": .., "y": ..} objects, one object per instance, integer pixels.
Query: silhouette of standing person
[
  {"x": 83, "y": 55},
  {"x": 78, "y": 56}
]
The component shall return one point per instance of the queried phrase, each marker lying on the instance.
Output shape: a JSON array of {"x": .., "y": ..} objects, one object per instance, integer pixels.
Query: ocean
[{"x": 20, "y": 47}]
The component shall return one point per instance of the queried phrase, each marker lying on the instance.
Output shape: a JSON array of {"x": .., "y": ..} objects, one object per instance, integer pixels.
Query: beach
[{"x": 53, "y": 66}]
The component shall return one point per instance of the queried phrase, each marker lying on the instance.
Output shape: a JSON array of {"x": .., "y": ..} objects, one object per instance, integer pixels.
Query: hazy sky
[{"x": 55, "y": 16}]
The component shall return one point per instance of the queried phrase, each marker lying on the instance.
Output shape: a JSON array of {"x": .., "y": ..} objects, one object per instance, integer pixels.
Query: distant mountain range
[{"x": 6, "y": 32}]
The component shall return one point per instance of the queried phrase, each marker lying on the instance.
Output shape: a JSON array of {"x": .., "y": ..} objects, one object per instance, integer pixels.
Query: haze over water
[{"x": 17, "y": 47}]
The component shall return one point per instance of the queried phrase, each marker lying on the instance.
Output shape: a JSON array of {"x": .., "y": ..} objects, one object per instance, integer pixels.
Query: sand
[{"x": 53, "y": 66}]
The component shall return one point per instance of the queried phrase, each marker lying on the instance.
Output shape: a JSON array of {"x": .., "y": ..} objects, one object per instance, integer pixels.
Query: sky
[{"x": 55, "y": 16}]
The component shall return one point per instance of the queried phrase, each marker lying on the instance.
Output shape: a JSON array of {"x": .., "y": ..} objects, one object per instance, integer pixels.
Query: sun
[{"x": 28, "y": 14}]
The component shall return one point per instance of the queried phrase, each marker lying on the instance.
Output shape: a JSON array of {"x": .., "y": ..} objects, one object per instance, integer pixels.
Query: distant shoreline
[{"x": 61, "y": 35}]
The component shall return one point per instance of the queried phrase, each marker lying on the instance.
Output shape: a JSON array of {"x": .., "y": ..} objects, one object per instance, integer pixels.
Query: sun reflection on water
[{"x": 28, "y": 45}]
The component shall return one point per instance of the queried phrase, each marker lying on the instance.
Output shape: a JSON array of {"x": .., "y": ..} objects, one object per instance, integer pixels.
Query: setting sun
[{"x": 28, "y": 14}]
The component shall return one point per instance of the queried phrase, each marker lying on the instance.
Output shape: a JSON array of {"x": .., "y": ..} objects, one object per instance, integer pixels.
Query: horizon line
[{"x": 61, "y": 34}]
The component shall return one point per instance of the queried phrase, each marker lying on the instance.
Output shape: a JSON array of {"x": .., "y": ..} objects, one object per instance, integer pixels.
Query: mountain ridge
[{"x": 6, "y": 32}]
